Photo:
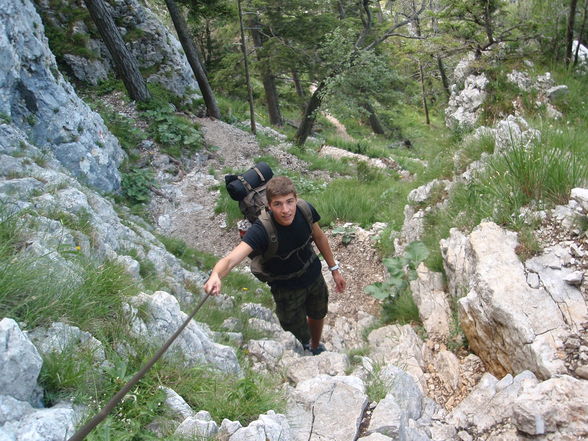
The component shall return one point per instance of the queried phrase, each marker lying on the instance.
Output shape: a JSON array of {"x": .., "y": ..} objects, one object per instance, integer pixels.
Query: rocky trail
[{"x": 188, "y": 213}]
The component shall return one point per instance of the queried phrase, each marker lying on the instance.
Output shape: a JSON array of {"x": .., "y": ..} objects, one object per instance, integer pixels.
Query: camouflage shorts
[{"x": 293, "y": 306}]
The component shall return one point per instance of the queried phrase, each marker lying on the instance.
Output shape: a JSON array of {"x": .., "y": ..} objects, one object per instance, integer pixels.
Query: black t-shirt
[{"x": 289, "y": 238}]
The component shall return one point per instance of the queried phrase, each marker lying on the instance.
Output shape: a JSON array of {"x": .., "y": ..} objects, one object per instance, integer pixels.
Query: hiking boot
[{"x": 318, "y": 350}]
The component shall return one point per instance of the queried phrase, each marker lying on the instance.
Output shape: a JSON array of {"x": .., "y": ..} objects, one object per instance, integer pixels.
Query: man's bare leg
[{"x": 316, "y": 331}]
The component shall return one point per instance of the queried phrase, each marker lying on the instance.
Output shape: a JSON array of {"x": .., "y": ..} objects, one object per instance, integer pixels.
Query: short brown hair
[{"x": 279, "y": 186}]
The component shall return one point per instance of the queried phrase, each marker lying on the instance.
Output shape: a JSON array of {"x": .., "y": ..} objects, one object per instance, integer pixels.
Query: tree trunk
[
  {"x": 246, "y": 67},
  {"x": 375, "y": 124},
  {"x": 298, "y": 85},
  {"x": 268, "y": 79},
  {"x": 570, "y": 32},
  {"x": 424, "y": 93},
  {"x": 443, "y": 74},
  {"x": 581, "y": 34},
  {"x": 193, "y": 58},
  {"x": 125, "y": 63},
  {"x": 309, "y": 116}
]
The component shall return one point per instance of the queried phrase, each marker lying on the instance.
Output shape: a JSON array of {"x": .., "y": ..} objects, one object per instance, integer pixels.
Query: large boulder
[
  {"x": 20, "y": 363},
  {"x": 37, "y": 100},
  {"x": 465, "y": 105},
  {"x": 510, "y": 325},
  {"x": 314, "y": 403},
  {"x": 400, "y": 346},
  {"x": 161, "y": 316}
]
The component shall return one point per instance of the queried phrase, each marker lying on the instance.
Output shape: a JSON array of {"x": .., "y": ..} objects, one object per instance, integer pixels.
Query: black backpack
[{"x": 249, "y": 189}]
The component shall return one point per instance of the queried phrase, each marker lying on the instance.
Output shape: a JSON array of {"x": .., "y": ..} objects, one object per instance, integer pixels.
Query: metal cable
[{"x": 90, "y": 425}]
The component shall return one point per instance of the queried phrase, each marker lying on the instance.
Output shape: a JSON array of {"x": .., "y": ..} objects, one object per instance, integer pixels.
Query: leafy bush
[
  {"x": 136, "y": 185},
  {"x": 398, "y": 304},
  {"x": 174, "y": 132}
]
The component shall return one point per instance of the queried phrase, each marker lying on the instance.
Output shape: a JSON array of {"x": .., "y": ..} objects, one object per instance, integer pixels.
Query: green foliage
[
  {"x": 376, "y": 387},
  {"x": 190, "y": 256},
  {"x": 123, "y": 128},
  {"x": 398, "y": 304},
  {"x": 401, "y": 270},
  {"x": 87, "y": 293},
  {"x": 80, "y": 221},
  {"x": 68, "y": 373},
  {"x": 333, "y": 166},
  {"x": 173, "y": 131},
  {"x": 224, "y": 396},
  {"x": 347, "y": 231},
  {"x": 136, "y": 185},
  {"x": 352, "y": 200}
]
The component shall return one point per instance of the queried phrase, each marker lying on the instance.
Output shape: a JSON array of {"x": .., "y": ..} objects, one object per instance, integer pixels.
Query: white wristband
[{"x": 334, "y": 267}]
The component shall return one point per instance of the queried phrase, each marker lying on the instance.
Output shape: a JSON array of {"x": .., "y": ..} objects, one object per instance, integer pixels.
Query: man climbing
[{"x": 293, "y": 272}]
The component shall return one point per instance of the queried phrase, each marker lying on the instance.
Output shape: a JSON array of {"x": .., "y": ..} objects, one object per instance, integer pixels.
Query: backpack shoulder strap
[
  {"x": 272, "y": 234},
  {"x": 270, "y": 228},
  {"x": 305, "y": 209}
]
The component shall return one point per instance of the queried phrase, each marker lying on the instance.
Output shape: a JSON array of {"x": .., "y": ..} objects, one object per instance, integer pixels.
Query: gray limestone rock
[
  {"x": 305, "y": 368},
  {"x": 12, "y": 409},
  {"x": 313, "y": 403},
  {"x": 432, "y": 302},
  {"x": 464, "y": 107},
  {"x": 404, "y": 390},
  {"x": 511, "y": 326},
  {"x": 521, "y": 79},
  {"x": 154, "y": 46},
  {"x": 557, "y": 406},
  {"x": 557, "y": 92},
  {"x": 268, "y": 427},
  {"x": 389, "y": 419},
  {"x": 20, "y": 363},
  {"x": 580, "y": 195},
  {"x": 38, "y": 101},
  {"x": 490, "y": 403},
  {"x": 176, "y": 406},
  {"x": 60, "y": 337},
  {"x": 197, "y": 426},
  {"x": 161, "y": 317},
  {"x": 255, "y": 310},
  {"x": 265, "y": 354},
  {"x": 514, "y": 131},
  {"x": 400, "y": 346},
  {"x": 53, "y": 424}
]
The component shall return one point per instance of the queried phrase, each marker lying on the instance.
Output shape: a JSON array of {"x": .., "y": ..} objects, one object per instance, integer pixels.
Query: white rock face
[
  {"x": 20, "y": 363},
  {"x": 269, "y": 427},
  {"x": 305, "y": 368},
  {"x": 464, "y": 107},
  {"x": 400, "y": 346},
  {"x": 557, "y": 405},
  {"x": 431, "y": 300},
  {"x": 511, "y": 326},
  {"x": 38, "y": 101},
  {"x": 514, "y": 131},
  {"x": 314, "y": 402},
  {"x": 490, "y": 403},
  {"x": 162, "y": 317},
  {"x": 54, "y": 424},
  {"x": 60, "y": 337}
]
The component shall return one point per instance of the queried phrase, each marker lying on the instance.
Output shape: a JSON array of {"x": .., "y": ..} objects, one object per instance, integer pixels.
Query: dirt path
[{"x": 189, "y": 212}]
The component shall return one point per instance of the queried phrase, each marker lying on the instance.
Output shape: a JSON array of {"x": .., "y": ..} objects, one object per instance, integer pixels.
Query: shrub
[
  {"x": 136, "y": 185},
  {"x": 398, "y": 305}
]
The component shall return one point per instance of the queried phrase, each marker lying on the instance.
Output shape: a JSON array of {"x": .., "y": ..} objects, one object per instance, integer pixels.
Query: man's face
[{"x": 284, "y": 208}]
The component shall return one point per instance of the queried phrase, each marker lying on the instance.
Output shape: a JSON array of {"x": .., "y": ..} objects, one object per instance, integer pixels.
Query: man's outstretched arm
[
  {"x": 322, "y": 243},
  {"x": 224, "y": 266}
]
